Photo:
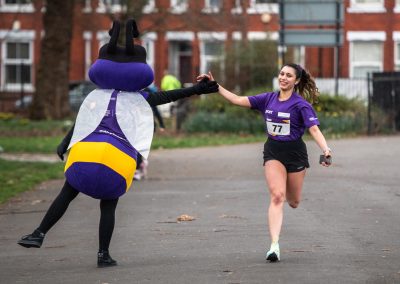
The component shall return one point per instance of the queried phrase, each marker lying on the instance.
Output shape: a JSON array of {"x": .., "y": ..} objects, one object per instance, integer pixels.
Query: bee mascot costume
[{"x": 114, "y": 125}]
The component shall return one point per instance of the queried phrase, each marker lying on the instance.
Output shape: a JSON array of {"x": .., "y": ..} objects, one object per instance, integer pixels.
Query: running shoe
[
  {"x": 273, "y": 255},
  {"x": 33, "y": 240}
]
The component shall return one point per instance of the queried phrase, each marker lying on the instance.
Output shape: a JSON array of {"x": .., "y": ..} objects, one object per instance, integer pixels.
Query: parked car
[{"x": 78, "y": 90}]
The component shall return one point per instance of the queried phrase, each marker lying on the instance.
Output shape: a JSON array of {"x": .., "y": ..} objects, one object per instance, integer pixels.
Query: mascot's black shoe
[
  {"x": 104, "y": 259},
  {"x": 33, "y": 240}
]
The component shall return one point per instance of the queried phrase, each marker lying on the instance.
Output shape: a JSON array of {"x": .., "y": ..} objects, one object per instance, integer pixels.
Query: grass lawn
[{"x": 17, "y": 177}]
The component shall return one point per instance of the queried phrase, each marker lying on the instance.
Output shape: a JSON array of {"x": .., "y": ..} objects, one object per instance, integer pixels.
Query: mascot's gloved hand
[
  {"x": 61, "y": 149},
  {"x": 205, "y": 86}
]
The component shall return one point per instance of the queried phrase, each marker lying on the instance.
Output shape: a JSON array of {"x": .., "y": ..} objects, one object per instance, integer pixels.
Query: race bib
[{"x": 276, "y": 128}]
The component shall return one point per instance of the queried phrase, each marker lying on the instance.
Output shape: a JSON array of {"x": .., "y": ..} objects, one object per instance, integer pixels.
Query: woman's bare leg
[
  {"x": 294, "y": 188},
  {"x": 276, "y": 176}
]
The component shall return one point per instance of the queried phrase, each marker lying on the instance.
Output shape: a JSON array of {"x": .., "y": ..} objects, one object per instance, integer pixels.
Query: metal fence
[
  {"x": 348, "y": 87},
  {"x": 383, "y": 102}
]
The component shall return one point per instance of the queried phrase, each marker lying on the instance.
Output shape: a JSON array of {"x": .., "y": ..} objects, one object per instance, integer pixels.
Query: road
[{"x": 346, "y": 229}]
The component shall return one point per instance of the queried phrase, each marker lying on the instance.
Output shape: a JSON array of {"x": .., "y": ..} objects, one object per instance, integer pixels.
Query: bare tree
[
  {"x": 51, "y": 97},
  {"x": 134, "y": 9}
]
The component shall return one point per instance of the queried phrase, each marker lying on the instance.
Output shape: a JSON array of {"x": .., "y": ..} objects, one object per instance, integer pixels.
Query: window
[
  {"x": 15, "y": 6},
  {"x": 87, "y": 37},
  {"x": 299, "y": 55},
  {"x": 263, "y": 6},
  {"x": 18, "y": 2},
  {"x": 212, "y": 6},
  {"x": 118, "y": 6},
  {"x": 397, "y": 6},
  {"x": 367, "y": 6},
  {"x": 369, "y": 2},
  {"x": 211, "y": 57},
  {"x": 179, "y": 6},
  {"x": 214, "y": 3},
  {"x": 212, "y": 50},
  {"x": 396, "y": 39},
  {"x": 149, "y": 44},
  {"x": 366, "y": 56},
  {"x": 397, "y": 58},
  {"x": 111, "y": 2},
  {"x": 237, "y": 9},
  {"x": 111, "y": 6},
  {"x": 103, "y": 37},
  {"x": 17, "y": 65},
  {"x": 150, "y": 7},
  {"x": 87, "y": 8}
]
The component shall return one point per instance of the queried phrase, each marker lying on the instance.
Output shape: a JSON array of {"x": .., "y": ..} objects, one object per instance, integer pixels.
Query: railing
[{"x": 348, "y": 87}]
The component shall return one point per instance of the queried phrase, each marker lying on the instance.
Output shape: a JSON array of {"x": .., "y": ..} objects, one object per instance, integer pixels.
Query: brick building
[{"x": 187, "y": 36}]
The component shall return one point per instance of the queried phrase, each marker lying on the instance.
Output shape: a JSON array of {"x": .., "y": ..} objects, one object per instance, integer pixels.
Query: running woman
[{"x": 287, "y": 113}]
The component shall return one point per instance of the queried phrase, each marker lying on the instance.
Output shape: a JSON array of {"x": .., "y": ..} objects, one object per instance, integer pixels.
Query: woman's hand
[
  {"x": 208, "y": 76},
  {"x": 328, "y": 157}
]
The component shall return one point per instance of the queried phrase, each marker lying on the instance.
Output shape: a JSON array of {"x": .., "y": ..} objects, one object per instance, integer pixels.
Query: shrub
[
  {"x": 215, "y": 114},
  {"x": 6, "y": 116},
  {"x": 338, "y": 114},
  {"x": 223, "y": 122},
  {"x": 331, "y": 104}
]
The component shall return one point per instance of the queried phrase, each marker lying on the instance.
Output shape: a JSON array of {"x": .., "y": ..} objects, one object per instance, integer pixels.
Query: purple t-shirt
[{"x": 286, "y": 120}]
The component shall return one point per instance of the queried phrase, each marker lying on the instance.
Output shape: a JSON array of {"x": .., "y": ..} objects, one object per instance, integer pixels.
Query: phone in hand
[{"x": 326, "y": 159}]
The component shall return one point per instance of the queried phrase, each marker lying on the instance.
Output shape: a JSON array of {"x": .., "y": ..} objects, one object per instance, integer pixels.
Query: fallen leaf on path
[{"x": 185, "y": 217}]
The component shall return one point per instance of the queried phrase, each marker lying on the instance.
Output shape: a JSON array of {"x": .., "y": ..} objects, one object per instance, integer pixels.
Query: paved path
[{"x": 346, "y": 229}]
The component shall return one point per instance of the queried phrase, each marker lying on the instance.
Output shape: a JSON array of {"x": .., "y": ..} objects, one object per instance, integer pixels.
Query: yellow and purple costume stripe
[{"x": 101, "y": 166}]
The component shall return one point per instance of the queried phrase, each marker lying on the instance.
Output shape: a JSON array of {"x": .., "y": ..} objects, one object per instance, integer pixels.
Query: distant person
[
  {"x": 287, "y": 114},
  {"x": 170, "y": 82},
  {"x": 151, "y": 90}
]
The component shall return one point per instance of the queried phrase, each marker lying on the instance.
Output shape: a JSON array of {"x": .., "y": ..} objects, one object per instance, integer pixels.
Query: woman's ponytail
[{"x": 306, "y": 87}]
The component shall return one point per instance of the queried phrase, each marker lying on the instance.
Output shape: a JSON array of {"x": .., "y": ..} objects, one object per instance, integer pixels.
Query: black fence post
[
  {"x": 393, "y": 102},
  {"x": 369, "y": 118}
]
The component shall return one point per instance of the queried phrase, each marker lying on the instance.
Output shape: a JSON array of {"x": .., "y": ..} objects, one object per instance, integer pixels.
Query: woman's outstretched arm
[{"x": 233, "y": 98}]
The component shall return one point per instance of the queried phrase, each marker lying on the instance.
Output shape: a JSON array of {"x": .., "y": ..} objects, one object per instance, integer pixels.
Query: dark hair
[{"x": 306, "y": 86}]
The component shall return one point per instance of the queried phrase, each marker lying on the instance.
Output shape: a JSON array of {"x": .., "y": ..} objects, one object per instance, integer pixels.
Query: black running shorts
[{"x": 292, "y": 154}]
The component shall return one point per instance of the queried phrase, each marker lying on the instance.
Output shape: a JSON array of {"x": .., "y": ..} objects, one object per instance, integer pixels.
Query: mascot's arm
[
  {"x": 62, "y": 148},
  {"x": 205, "y": 86}
]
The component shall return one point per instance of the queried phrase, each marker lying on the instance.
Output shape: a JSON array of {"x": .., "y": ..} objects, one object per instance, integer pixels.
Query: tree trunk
[{"x": 51, "y": 98}]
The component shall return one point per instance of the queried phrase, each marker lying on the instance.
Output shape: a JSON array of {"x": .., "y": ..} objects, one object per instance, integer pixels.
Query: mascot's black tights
[{"x": 60, "y": 205}]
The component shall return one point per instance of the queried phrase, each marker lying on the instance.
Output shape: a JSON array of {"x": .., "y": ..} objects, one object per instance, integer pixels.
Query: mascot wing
[
  {"x": 135, "y": 117},
  {"x": 90, "y": 114}
]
